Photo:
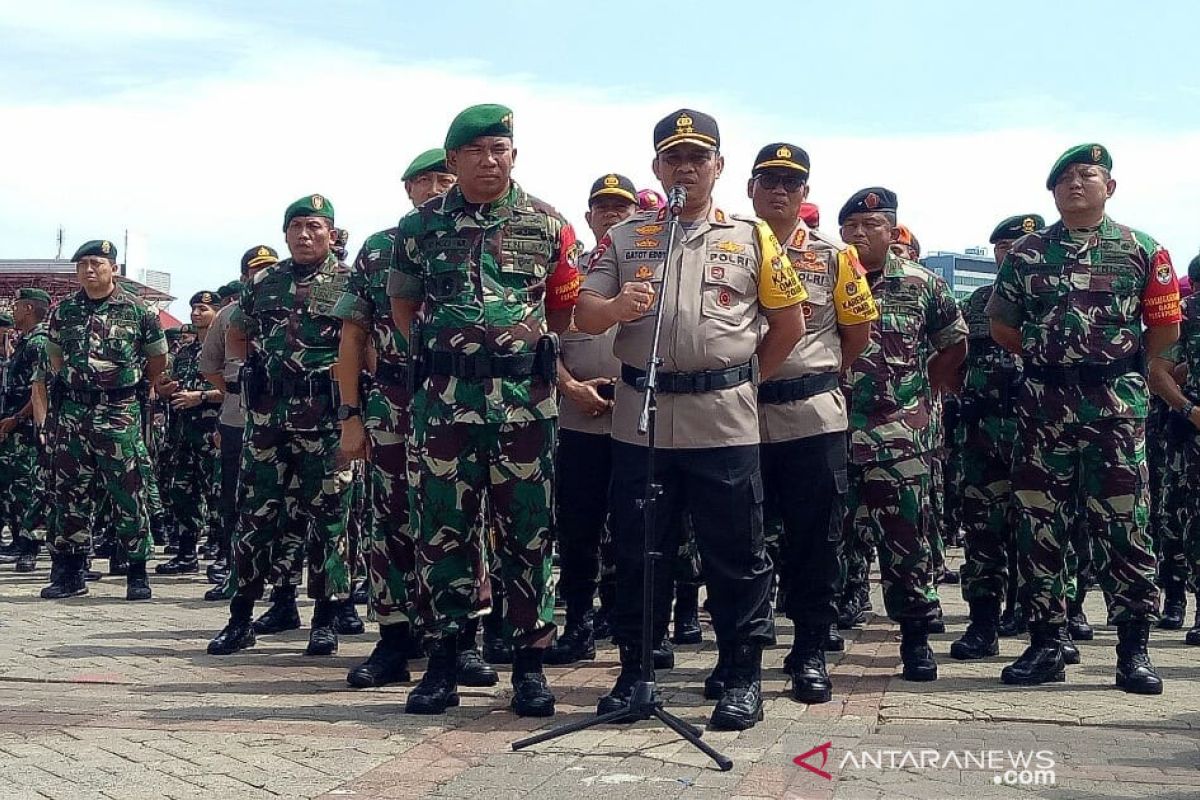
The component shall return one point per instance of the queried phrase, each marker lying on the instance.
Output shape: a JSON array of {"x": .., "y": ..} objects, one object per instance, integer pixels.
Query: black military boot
[
  {"x": 388, "y": 662},
  {"x": 360, "y": 594},
  {"x": 938, "y": 623},
  {"x": 118, "y": 560},
  {"x": 1174, "y": 606},
  {"x": 1135, "y": 673},
  {"x": 1069, "y": 650},
  {"x": 687, "y": 614},
  {"x": 1077, "y": 621},
  {"x": 471, "y": 669},
  {"x": 185, "y": 560},
  {"x": 631, "y": 672},
  {"x": 282, "y": 615},
  {"x": 137, "y": 586},
  {"x": 217, "y": 572},
  {"x": 496, "y": 648},
  {"x": 664, "y": 654},
  {"x": 915, "y": 653},
  {"x": 238, "y": 634},
  {"x": 741, "y": 706},
  {"x": 322, "y": 638},
  {"x": 69, "y": 581},
  {"x": 806, "y": 666},
  {"x": 346, "y": 620},
  {"x": 714, "y": 684},
  {"x": 834, "y": 643},
  {"x": 27, "y": 561},
  {"x": 981, "y": 639},
  {"x": 531, "y": 694},
  {"x": 576, "y": 643},
  {"x": 851, "y": 613},
  {"x": 438, "y": 689},
  {"x": 1012, "y": 622},
  {"x": 1193, "y": 635},
  {"x": 949, "y": 576},
  {"x": 602, "y": 622},
  {"x": 1042, "y": 662},
  {"x": 158, "y": 529}
]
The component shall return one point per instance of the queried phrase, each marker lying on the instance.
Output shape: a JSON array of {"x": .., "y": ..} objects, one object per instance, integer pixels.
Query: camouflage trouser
[
  {"x": 986, "y": 461},
  {"x": 1067, "y": 474},
  {"x": 886, "y": 509},
  {"x": 292, "y": 499},
  {"x": 35, "y": 521},
  {"x": 459, "y": 466},
  {"x": 192, "y": 492},
  {"x": 1175, "y": 567},
  {"x": 95, "y": 455},
  {"x": 18, "y": 471},
  {"x": 1188, "y": 512},
  {"x": 937, "y": 511},
  {"x": 1157, "y": 448},
  {"x": 391, "y": 557},
  {"x": 952, "y": 473}
]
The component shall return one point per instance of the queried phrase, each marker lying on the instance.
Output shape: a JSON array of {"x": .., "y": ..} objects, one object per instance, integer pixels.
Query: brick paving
[{"x": 100, "y": 698}]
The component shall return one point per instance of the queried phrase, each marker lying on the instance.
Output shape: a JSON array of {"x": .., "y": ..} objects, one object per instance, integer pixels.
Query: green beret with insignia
[
  {"x": 781, "y": 155},
  {"x": 204, "y": 296},
  {"x": 865, "y": 201},
  {"x": 484, "y": 120},
  {"x": 313, "y": 205},
  {"x": 613, "y": 185},
  {"x": 260, "y": 256},
  {"x": 6, "y": 320},
  {"x": 35, "y": 295},
  {"x": 1194, "y": 273},
  {"x": 97, "y": 247},
  {"x": 1015, "y": 227},
  {"x": 686, "y": 126},
  {"x": 1079, "y": 154},
  {"x": 430, "y": 161}
]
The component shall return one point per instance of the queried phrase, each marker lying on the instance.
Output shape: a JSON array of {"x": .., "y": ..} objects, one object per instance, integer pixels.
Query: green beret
[
  {"x": 173, "y": 334},
  {"x": 6, "y": 320},
  {"x": 1079, "y": 154},
  {"x": 430, "y": 161},
  {"x": 231, "y": 289},
  {"x": 313, "y": 205},
  {"x": 206, "y": 297},
  {"x": 1194, "y": 273},
  {"x": 1016, "y": 227},
  {"x": 97, "y": 247},
  {"x": 36, "y": 295},
  {"x": 485, "y": 120}
]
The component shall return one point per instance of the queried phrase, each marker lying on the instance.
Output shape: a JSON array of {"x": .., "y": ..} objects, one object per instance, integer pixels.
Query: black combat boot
[
  {"x": 602, "y": 622},
  {"x": 531, "y": 694},
  {"x": 576, "y": 643},
  {"x": 137, "y": 586},
  {"x": 915, "y": 653},
  {"x": 69, "y": 581},
  {"x": 981, "y": 638},
  {"x": 687, "y": 614},
  {"x": 388, "y": 662},
  {"x": 949, "y": 576},
  {"x": 851, "y": 613},
  {"x": 806, "y": 666},
  {"x": 631, "y": 672},
  {"x": 1069, "y": 650},
  {"x": 471, "y": 669},
  {"x": 346, "y": 620},
  {"x": 282, "y": 615},
  {"x": 834, "y": 643},
  {"x": 496, "y": 648},
  {"x": 664, "y": 654},
  {"x": 1135, "y": 673},
  {"x": 217, "y": 572},
  {"x": 27, "y": 561},
  {"x": 185, "y": 560},
  {"x": 1077, "y": 621},
  {"x": 1013, "y": 622},
  {"x": 938, "y": 623},
  {"x": 1174, "y": 606},
  {"x": 438, "y": 689},
  {"x": 1193, "y": 635},
  {"x": 741, "y": 706},
  {"x": 322, "y": 638},
  {"x": 238, "y": 634},
  {"x": 1042, "y": 662},
  {"x": 714, "y": 684},
  {"x": 217, "y": 593},
  {"x": 118, "y": 560}
]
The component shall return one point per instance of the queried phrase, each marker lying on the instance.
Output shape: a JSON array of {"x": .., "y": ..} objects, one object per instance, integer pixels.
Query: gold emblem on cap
[
  {"x": 684, "y": 124},
  {"x": 105, "y": 247},
  {"x": 871, "y": 201},
  {"x": 506, "y": 120},
  {"x": 262, "y": 251},
  {"x": 783, "y": 152},
  {"x": 318, "y": 202},
  {"x": 612, "y": 182},
  {"x": 1028, "y": 225},
  {"x": 1097, "y": 153}
]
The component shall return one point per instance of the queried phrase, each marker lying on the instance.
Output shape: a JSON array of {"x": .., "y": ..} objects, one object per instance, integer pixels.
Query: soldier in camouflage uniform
[
  {"x": 489, "y": 270},
  {"x": 890, "y": 387},
  {"x": 986, "y": 432},
  {"x": 195, "y": 405},
  {"x": 19, "y": 445},
  {"x": 1071, "y": 300},
  {"x": 102, "y": 343},
  {"x": 383, "y": 414},
  {"x": 294, "y": 479},
  {"x": 1175, "y": 378}
]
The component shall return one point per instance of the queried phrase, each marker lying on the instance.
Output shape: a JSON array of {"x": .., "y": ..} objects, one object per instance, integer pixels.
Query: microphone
[{"x": 676, "y": 198}]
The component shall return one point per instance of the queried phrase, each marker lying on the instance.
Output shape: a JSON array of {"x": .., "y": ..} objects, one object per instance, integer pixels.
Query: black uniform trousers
[
  {"x": 582, "y": 471},
  {"x": 231, "y": 464}
]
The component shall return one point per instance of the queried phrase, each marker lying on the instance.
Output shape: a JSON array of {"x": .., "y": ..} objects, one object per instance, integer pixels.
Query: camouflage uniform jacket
[
  {"x": 104, "y": 343},
  {"x": 1186, "y": 349},
  {"x": 1080, "y": 302},
  {"x": 185, "y": 369},
  {"x": 888, "y": 385},
  {"x": 486, "y": 275},
  {"x": 990, "y": 373},
  {"x": 30, "y": 349}
]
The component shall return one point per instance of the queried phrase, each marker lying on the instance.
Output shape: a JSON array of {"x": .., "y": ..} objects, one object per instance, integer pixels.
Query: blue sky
[{"x": 191, "y": 123}]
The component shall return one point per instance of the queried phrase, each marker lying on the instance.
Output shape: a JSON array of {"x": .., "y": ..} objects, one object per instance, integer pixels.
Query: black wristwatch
[{"x": 346, "y": 412}]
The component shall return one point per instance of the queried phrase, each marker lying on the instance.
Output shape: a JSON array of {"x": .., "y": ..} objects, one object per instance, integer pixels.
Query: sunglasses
[{"x": 790, "y": 183}]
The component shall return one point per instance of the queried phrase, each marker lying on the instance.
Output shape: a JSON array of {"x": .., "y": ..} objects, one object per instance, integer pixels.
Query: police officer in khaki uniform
[
  {"x": 727, "y": 273},
  {"x": 802, "y": 413},
  {"x": 586, "y": 376}
]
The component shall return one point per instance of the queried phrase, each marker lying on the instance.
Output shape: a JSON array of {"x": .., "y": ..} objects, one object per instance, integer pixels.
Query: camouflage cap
[
  {"x": 96, "y": 247},
  {"x": 686, "y": 126},
  {"x": 36, "y": 295},
  {"x": 488, "y": 119},
  {"x": 1079, "y": 154},
  {"x": 433, "y": 160},
  {"x": 204, "y": 297},
  {"x": 260, "y": 256},
  {"x": 781, "y": 155},
  {"x": 1016, "y": 227},
  {"x": 866, "y": 201},
  {"x": 1193, "y": 271},
  {"x": 313, "y": 205},
  {"x": 613, "y": 185}
]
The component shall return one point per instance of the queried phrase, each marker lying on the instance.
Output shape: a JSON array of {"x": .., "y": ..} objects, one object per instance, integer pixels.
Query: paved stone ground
[{"x": 100, "y": 698}]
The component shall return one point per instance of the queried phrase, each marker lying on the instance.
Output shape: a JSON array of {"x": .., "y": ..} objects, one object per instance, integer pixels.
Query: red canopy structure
[
  {"x": 57, "y": 277},
  {"x": 167, "y": 320}
]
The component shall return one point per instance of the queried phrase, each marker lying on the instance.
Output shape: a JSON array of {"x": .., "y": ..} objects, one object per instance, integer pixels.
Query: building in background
[
  {"x": 965, "y": 272},
  {"x": 57, "y": 277}
]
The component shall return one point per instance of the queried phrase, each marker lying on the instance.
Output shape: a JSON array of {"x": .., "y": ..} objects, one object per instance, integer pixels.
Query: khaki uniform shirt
[
  {"x": 213, "y": 359},
  {"x": 585, "y": 357}
]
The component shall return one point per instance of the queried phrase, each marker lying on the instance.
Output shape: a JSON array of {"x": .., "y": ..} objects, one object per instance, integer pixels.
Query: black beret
[
  {"x": 865, "y": 201},
  {"x": 686, "y": 126},
  {"x": 1015, "y": 227},
  {"x": 204, "y": 296},
  {"x": 781, "y": 155}
]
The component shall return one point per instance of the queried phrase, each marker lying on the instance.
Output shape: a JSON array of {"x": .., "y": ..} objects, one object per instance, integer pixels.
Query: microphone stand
[{"x": 644, "y": 702}]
